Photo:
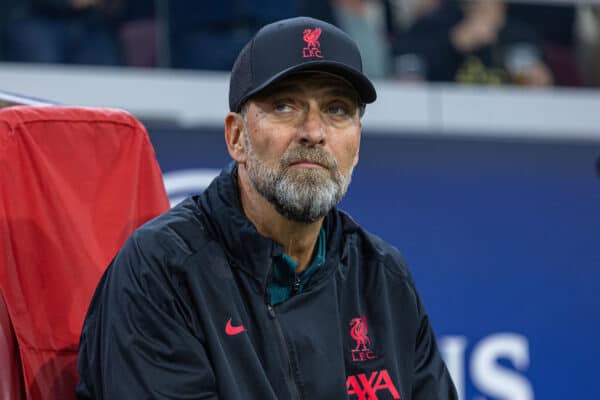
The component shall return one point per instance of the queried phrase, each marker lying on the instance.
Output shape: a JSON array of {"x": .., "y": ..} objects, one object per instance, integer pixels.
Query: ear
[{"x": 234, "y": 136}]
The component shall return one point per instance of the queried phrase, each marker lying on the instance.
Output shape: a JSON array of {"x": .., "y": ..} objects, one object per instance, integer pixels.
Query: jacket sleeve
[
  {"x": 139, "y": 340},
  {"x": 432, "y": 380}
]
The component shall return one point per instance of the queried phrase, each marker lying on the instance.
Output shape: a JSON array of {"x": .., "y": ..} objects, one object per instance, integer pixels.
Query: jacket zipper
[
  {"x": 296, "y": 286},
  {"x": 289, "y": 376}
]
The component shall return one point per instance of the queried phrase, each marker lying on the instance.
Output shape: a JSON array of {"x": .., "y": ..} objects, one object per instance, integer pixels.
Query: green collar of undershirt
[{"x": 285, "y": 282}]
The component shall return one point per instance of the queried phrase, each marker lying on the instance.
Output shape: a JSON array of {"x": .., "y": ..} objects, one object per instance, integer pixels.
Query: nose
[{"x": 312, "y": 130}]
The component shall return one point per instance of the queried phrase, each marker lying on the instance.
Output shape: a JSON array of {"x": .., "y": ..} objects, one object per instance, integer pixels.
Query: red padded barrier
[
  {"x": 11, "y": 382},
  {"x": 75, "y": 182}
]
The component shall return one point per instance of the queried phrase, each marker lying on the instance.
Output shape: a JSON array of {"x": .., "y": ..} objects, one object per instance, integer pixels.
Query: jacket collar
[{"x": 246, "y": 248}]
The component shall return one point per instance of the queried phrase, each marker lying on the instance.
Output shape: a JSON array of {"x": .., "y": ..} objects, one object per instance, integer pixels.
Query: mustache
[{"x": 312, "y": 155}]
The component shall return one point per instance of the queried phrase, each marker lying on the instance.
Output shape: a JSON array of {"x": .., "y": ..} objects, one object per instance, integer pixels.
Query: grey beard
[{"x": 299, "y": 195}]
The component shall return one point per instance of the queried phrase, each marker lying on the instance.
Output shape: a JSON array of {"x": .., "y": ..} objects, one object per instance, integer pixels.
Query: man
[{"x": 260, "y": 288}]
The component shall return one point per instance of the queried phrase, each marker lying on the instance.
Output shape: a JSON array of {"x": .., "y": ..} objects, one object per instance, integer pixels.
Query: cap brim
[{"x": 362, "y": 84}]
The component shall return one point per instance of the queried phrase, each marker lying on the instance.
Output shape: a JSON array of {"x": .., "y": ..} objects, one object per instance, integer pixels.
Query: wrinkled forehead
[{"x": 320, "y": 82}]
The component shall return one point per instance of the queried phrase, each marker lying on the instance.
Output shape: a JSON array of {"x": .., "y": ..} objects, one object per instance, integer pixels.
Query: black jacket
[{"x": 181, "y": 313}]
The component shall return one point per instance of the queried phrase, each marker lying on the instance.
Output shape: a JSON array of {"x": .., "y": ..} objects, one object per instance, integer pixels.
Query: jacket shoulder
[
  {"x": 171, "y": 237},
  {"x": 388, "y": 255}
]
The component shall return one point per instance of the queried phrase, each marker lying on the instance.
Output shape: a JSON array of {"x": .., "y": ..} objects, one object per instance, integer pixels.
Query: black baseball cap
[{"x": 292, "y": 45}]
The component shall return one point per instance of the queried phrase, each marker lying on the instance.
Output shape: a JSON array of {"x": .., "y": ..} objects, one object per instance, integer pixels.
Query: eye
[
  {"x": 282, "y": 106},
  {"x": 338, "y": 109}
]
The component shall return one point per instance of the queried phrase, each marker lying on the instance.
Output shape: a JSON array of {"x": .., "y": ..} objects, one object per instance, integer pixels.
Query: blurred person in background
[
  {"x": 471, "y": 42},
  {"x": 209, "y": 34},
  {"x": 588, "y": 43},
  {"x": 64, "y": 31},
  {"x": 555, "y": 26}
]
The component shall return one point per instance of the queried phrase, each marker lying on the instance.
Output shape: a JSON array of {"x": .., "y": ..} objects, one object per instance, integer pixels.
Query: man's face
[{"x": 301, "y": 140}]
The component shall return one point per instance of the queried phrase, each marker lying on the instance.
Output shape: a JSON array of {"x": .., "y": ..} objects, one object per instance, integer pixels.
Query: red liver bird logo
[
  {"x": 313, "y": 46},
  {"x": 359, "y": 331},
  {"x": 311, "y": 37}
]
